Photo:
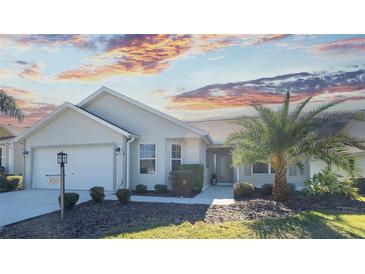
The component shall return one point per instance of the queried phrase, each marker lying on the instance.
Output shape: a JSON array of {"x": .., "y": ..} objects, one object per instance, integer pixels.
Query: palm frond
[
  {"x": 9, "y": 107},
  {"x": 298, "y": 110}
]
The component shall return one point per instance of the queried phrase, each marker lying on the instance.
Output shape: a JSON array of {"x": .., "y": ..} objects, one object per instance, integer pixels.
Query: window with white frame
[
  {"x": 175, "y": 156},
  {"x": 262, "y": 168},
  {"x": 1, "y": 157},
  {"x": 147, "y": 158}
]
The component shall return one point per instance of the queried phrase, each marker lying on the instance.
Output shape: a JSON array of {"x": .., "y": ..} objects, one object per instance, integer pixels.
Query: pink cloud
[
  {"x": 356, "y": 43},
  {"x": 151, "y": 54},
  {"x": 32, "y": 71},
  {"x": 32, "y": 108}
]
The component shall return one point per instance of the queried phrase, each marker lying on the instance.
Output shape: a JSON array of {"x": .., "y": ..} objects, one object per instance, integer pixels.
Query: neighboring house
[
  {"x": 114, "y": 141},
  {"x": 10, "y": 151}
]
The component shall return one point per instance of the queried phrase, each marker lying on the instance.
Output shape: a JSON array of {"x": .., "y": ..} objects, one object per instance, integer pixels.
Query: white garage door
[{"x": 87, "y": 166}]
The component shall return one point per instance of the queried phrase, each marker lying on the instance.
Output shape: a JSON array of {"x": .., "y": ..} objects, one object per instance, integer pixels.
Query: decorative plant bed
[{"x": 97, "y": 220}]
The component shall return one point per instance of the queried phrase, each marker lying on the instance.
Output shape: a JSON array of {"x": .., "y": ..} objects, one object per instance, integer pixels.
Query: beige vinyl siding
[
  {"x": 18, "y": 158},
  {"x": 317, "y": 166},
  {"x": 151, "y": 129},
  {"x": 73, "y": 128}
]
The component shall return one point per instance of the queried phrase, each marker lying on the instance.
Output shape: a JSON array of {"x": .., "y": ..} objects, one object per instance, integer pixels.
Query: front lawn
[{"x": 311, "y": 224}]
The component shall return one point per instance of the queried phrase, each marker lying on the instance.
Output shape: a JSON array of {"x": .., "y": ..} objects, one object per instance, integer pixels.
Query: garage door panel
[{"x": 87, "y": 166}]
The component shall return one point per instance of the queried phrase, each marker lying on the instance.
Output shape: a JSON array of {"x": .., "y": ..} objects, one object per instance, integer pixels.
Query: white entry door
[{"x": 87, "y": 166}]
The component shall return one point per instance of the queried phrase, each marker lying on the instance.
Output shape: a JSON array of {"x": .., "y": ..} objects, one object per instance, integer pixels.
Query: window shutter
[
  {"x": 247, "y": 170},
  {"x": 292, "y": 170}
]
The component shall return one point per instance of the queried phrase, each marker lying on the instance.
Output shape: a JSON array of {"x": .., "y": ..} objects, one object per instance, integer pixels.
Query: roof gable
[
  {"x": 104, "y": 90},
  {"x": 62, "y": 109}
]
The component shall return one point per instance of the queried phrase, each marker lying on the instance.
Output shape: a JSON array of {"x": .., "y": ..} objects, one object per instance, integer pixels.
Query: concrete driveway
[{"x": 16, "y": 206}]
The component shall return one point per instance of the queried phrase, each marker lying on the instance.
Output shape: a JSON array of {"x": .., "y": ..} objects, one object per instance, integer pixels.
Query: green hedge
[
  {"x": 188, "y": 180},
  {"x": 198, "y": 178}
]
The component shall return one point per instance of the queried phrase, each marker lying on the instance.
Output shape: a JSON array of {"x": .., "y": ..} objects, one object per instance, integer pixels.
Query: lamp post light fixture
[
  {"x": 62, "y": 157},
  {"x": 62, "y": 160}
]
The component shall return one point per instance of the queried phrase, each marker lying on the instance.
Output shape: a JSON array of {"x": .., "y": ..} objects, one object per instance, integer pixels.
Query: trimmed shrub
[
  {"x": 161, "y": 189},
  {"x": 10, "y": 183},
  {"x": 360, "y": 184},
  {"x": 180, "y": 182},
  {"x": 292, "y": 187},
  {"x": 141, "y": 188},
  {"x": 97, "y": 193},
  {"x": 188, "y": 180},
  {"x": 243, "y": 189},
  {"x": 123, "y": 195},
  {"x": 71, "y": 199},
  {"x": 266, "y": 189},
  {"x": 197, "y": 180},
  {"x": 13, "y": 183},
  {"x": 327, "y": 182}
]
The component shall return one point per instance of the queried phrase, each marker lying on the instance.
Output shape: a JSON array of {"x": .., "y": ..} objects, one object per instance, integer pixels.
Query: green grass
[{"x": 311, "y": 224}]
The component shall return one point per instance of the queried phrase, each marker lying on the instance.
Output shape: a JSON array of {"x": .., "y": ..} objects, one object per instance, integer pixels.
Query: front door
[{"x": 223, "y": 166}]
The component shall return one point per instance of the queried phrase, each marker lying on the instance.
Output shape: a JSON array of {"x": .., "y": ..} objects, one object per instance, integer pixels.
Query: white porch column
[
  {"x": 238, "y": 173},
  {"x": 11, "y": 158}
]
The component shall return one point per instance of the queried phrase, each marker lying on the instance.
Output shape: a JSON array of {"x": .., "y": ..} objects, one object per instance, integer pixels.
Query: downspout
[
  {"x": 128, "y": 164},
  {"x": 237, "y": 171},
  {"x": 24, "y": 162}
]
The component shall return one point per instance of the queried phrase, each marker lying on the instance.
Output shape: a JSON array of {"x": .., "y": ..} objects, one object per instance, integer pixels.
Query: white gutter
[
  {"x": 128, "y": 167},
  {"x": 24, "y": 162}
]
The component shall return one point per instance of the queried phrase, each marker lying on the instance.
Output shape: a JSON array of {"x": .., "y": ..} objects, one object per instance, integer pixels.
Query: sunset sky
[{"x": 192, "y": 77}]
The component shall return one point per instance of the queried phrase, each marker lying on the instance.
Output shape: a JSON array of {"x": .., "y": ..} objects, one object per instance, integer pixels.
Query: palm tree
[
  {"x": 9, "y": 107},
  {"x": 284, "y": 138}
]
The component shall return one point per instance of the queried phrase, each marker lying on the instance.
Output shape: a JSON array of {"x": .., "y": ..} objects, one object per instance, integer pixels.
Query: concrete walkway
[{"x": 213, "y": 195}]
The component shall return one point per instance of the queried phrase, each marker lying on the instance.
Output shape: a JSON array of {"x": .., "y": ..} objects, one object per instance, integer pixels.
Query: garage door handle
[{"x": 51, "y": 175}]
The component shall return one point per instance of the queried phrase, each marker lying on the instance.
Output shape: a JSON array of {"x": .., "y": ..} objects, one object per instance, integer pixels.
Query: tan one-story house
[{"x": 115, "y": 141}]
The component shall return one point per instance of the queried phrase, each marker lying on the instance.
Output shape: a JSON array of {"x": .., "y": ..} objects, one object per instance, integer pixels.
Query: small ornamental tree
[{"x": 284, "y": 137}]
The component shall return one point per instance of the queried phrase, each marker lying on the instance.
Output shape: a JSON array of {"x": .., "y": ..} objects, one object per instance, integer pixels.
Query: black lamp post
[{"x": 62, "y": 160}]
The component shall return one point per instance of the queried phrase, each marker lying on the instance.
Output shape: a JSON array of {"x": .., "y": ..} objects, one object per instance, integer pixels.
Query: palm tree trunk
[{"x": 280, "y": 191}]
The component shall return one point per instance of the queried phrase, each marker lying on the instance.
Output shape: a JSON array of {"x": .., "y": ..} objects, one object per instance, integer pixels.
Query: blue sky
[{"x": 191, "y": 77}]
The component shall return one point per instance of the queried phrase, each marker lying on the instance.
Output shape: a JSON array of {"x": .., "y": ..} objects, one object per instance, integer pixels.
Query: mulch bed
[
  {"x": 95, "y": 220},
  {"x": 263, "y": 208},
  {"x": 168, "y": 194}
]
